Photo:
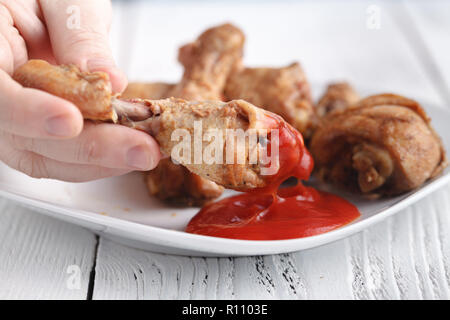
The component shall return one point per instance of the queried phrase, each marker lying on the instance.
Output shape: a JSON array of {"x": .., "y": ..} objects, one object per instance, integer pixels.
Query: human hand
[{"x": 42, "y": 135}]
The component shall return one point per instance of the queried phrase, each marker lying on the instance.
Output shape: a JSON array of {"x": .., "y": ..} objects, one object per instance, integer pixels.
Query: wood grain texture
[
  {"x": 39, "y": 256},
  {"x": 405, "y": 257}
]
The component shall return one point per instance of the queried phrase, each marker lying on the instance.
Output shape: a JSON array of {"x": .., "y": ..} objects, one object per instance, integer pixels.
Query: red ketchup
[{"x": 271, "y": 213}]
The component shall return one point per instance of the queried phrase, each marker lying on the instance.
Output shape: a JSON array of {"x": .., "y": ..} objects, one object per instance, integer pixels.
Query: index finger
[{"x": 79, "y": 34}]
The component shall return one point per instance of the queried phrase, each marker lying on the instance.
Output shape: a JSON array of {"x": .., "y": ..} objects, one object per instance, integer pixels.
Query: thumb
[{"x": 78, "y": 31}]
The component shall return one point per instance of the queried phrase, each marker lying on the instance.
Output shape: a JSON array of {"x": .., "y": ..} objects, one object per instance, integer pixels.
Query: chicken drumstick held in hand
[
  {"x": 207, "y": 61},
  {"x": 161, "y": 118},
  {"x": 171, "y": 182}
]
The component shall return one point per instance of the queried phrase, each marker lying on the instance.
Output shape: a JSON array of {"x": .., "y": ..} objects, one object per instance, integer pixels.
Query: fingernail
[
  {"x": 116, "y": 76},
  {"x": 138, "y": 158},
  {"x": 59, "y": 126}
]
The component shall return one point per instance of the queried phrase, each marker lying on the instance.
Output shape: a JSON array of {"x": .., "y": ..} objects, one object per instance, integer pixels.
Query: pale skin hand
[{"x": 42, "y": 135}]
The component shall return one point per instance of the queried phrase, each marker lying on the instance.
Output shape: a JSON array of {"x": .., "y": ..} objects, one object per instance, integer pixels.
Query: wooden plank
[
  {"x": 407, "y": 256},
  {"x": 374, "y": 256},
  {"x": 404, "y": 257},
  {"x": 149, "y": 275},
  {"x": 326, "y": 271},
  {"x": 403, "y": 261},
  {"x": 429, "y": 257},
  {"x": 41, "y": 257}
]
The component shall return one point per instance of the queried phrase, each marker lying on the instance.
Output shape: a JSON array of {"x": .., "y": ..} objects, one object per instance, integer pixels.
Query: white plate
[{"x": 119, "y": 208}]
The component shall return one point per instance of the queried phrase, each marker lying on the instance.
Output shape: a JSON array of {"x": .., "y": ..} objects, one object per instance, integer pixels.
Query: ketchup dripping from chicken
[{"x": 274, "y": 213}]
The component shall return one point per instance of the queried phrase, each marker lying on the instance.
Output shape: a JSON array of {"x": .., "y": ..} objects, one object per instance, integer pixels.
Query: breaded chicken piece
[
  {"x": 338, "y": 96},
  {"x": 89, "y": 91},
  {"x": 189, "y": 117},
  {"x": 208, "y": 63},
  {"x": 168, "y": 181},
  {"x": 284, "y": 91},
  {"x": 383, "y": 145},
  {"x": 177, "y": 185}
]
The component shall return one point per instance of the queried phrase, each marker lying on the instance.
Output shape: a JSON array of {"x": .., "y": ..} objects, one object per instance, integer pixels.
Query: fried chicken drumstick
[
  {"x": 338, "y": 96},
  {"x": 383, "y": 145},
  {"x": 208, "y": 62},
  {"x": 89, "y": 91},
  {"x": 224, "y": 119},
  {"x": 171, "y": 182},
  {"x": 161, "y": 118},
  {"x": 284, "y": 91}
]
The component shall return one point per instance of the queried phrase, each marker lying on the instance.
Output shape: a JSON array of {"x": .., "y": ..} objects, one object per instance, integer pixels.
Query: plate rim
[{"x": 214, "y": 245}]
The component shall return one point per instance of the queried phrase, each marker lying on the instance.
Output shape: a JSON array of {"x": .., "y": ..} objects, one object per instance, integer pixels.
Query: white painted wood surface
[
  {"x": 40, "y": 256},
  {"x": 404, "y": 257}
]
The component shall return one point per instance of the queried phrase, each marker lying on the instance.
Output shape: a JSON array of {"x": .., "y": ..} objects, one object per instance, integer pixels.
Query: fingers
[
  {"x": 37, "y": 114},
  {"x": 6, "y": 55},
  {"x": 13, "y": 37},
  {"x": 104, "y": 144},
  {"x": 16, "y": 43},
  {"x": 27, "y": 18},
  {"x": 37, "y": 166},
  {"x": 79, "y": 35}
]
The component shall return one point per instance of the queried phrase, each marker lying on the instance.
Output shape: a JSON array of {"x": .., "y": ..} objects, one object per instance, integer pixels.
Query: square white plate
[{"x": 120, "y": 208}]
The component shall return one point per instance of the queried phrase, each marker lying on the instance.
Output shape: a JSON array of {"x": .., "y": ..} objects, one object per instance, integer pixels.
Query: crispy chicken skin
[
  {"x": 170, "y": 182},
  {"x": 338, "y": 96},
  {"x": 207, "y": 63},
  {"x": 284, "y": 91},
  {"x": 177, "y": 185},
  {"x": 383, "y": 145},
  {"x": 174, "y": 114},
  {"x": 89, "y": 91}
]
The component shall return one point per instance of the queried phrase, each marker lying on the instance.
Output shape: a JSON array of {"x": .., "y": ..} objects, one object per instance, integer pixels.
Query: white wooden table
[{"x": 404, "y": 257}]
